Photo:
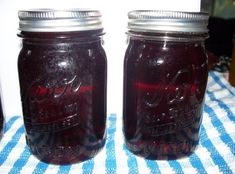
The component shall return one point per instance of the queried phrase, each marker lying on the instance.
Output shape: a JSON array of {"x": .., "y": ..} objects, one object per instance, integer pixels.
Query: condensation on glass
[
  {"x": 62, "y": 75},
  {"x": 165, "y": 78}
]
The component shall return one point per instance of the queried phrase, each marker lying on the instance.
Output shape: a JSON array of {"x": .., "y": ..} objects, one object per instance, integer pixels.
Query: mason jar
[
  {"x": 62, "y": 75},
  {"x": 165, "y": 78},
  {"x": 2, "y": 120},
  {"x": 232, "y": 65}
]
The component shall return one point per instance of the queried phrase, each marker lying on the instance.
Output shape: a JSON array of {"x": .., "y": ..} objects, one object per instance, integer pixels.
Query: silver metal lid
[
  {"x": 167, "y": 21},
  {"x": 48, "y": 20}
]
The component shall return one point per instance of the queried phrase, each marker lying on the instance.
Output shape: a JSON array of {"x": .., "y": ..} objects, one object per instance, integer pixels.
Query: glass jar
[
  {"x": 165, "y": 78},
  {"x": 62, "y": 75},
  {"x": 1, "y": 119},
  {"x": 232, "y": 66}
]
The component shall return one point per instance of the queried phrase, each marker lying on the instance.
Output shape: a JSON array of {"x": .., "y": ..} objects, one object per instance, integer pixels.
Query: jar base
[
  {"x": 66, "y": 155},
  {"x": 165, "y": 151}
]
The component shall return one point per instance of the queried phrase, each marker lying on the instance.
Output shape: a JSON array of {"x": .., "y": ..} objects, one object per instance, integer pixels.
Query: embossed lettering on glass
[
  {"x": 62, "y": 74},
  {"x": 165, "y": 77}
]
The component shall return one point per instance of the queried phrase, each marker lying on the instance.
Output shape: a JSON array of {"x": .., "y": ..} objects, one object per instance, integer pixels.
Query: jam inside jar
[
  {"x": 1, "y": 120},
  {"x": 165, "y": 78},
  {"x": 62, "y": 78}
]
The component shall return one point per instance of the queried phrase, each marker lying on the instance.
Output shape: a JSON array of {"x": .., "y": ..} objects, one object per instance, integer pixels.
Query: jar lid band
[
  {"x": 167, "y": 21},
  {"x": 47, "y": 20}
]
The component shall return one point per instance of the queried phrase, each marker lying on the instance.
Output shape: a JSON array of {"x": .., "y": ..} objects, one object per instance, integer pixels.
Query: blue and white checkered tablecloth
[{"x": 215, "y": 153}]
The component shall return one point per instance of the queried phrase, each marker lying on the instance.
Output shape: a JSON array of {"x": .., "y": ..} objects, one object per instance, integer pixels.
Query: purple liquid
[
  {"x": 63, "y": 90},
  {"x": 164, "y": 87},
  {"x": 1, "y": 120}
]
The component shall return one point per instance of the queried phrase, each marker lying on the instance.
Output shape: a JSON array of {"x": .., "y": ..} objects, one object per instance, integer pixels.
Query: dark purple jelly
[
  {"x": 164, "y": 87},
  {"x": 1, "y": 120},
  {"x": 63, "y": 91}
]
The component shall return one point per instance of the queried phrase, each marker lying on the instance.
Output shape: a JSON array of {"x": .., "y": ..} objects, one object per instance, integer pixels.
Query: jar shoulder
[
  {"x": 61, "y": 55},
  {"x": 161, "y": 53}
]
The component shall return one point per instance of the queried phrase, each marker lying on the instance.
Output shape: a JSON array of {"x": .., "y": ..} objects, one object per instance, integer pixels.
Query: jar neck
[
  {"x": 52, "y": 37},
  {"x": 167, "y": 36}
]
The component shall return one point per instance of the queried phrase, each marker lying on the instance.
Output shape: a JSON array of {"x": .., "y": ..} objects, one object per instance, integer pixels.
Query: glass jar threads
[
  {"x": 62, "y": 75},
  {"x": 165, "y": 78}
]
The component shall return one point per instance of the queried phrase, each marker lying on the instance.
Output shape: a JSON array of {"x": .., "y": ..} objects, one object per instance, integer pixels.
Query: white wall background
[{"x": 115, "y": 23}]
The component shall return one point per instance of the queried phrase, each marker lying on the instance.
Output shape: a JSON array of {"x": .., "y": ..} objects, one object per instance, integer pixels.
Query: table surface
[{"x": 215, "y": 153}]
